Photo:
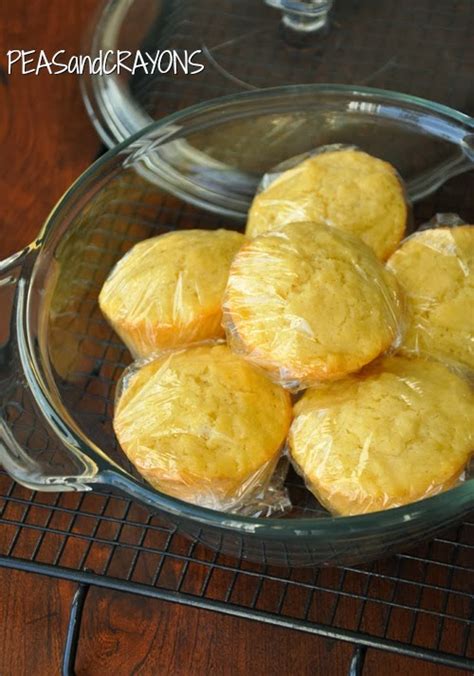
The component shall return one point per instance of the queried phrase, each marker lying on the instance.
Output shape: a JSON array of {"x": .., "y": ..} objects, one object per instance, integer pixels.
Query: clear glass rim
[
  {"x": 462, "y": 118},
  {"x": 457, "y": 500}
]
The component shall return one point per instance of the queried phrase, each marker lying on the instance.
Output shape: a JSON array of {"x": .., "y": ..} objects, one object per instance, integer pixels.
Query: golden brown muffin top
[
  {"x": 201, "y": 415},
  {"x": 309, "y": 302},
  {"x": 398, "y": 431},
  {"x": 344, "y": 188},
  {"x": 169, "y": 282},
  {"x": 435, "y": 269}
]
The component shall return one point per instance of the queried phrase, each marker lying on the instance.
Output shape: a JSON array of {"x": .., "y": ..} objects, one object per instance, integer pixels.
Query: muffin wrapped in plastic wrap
[
  {"x": 398, "y": 431},
  {"x": 167, "y": 291},
  {"x": 204, "y": 426},
  {"x": 435, "y": 270},
  {"x": 308, "y": 303},
  {"x": 340, "y": 186}
]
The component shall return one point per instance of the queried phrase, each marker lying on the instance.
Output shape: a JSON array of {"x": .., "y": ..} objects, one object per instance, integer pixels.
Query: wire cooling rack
[{"x": 419, "y": 603}]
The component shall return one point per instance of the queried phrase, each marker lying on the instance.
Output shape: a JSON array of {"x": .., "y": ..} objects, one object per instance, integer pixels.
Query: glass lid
[{"x": 249, "y": 44}]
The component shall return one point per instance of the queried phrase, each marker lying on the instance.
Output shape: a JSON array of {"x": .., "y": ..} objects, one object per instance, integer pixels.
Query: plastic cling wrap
[
  {"x": 340, "y": 186},
  {"x": 167, "y": 291},
  {"x": 204, "y": 426},
  {"x": 309, "y": 303},
  {"x": 435, "y": 270},
  {"x": 399, "y": 431},
  {"x": 447, "y": 220}
]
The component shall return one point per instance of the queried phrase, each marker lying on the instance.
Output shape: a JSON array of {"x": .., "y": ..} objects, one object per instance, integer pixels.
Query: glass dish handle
[
  {"x": 29, "y": 450},
  {"x": 34, "y": 449}
]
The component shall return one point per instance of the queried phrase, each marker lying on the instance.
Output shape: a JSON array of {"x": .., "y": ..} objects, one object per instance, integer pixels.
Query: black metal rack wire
[{"x": 419, "y": 603}]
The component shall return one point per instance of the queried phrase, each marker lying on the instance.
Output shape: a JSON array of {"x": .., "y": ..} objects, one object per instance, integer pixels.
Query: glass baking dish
[{"x": 60, "y": 361}]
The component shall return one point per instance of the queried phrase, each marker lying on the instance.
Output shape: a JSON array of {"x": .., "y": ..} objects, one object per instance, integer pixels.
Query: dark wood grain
[
  {"x": 46, "y": 138},
  {"x": 125, "y": 634},
  {"x": 47, "y": 141}
]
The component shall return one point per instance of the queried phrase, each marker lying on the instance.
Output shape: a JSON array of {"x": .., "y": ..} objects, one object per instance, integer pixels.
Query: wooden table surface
[{"x": 47, "y": 141}]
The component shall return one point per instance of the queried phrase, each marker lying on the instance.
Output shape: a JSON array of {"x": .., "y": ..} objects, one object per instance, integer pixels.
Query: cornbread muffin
[
  {"x": 399, "y": 431},
  {"x": 167, "y": 290},
  {"x": 345, "y": 188},
  {"x": 435, "y": 269},
  {"x": 309, "y": 302},
  {"x": 203, "y": 425}
]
